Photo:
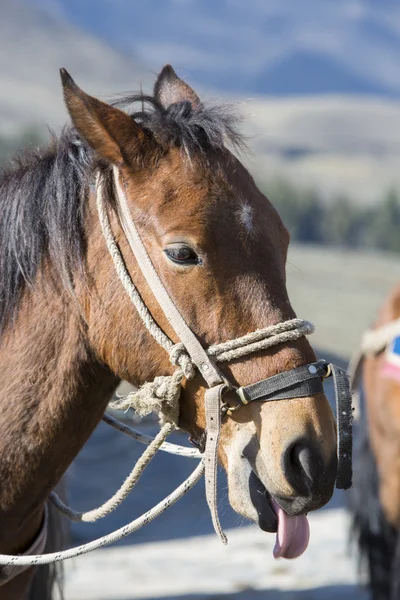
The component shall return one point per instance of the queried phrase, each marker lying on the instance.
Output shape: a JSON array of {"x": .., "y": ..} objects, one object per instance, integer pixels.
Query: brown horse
[
  {"x": 375, "y": 499},
  {"x": 69, "y": 334}
]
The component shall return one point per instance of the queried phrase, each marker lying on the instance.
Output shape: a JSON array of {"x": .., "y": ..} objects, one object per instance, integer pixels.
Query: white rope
[
  {"x": 177, "y": 352},
  {"x": 164, "y": 391},
  {"x": 147, "y": 439},
  {"x": 161, "y": 338},
  {"x": 115, "y": 536},
  {"x": 110, "y": 505},
  {"x": 376, "y": 340},
  {"x": 261, "y": 339}
]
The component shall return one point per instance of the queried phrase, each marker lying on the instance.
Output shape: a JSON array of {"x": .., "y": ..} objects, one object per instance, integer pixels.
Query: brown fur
[
  {"x": 65, "y": 354},
  {"x": 374, "y": 499},
  {"x": 382, "y": 397}
]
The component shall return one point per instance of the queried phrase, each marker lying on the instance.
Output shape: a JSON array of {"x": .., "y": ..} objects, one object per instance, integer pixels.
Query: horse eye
[{"x": 183, "y": 255}]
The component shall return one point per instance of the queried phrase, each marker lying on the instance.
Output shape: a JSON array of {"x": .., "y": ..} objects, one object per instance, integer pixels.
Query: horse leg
[
  {"x": 40, "y": 583},
  {"x": 19, "y": 587},
  {"x": 47, "y": 578}
]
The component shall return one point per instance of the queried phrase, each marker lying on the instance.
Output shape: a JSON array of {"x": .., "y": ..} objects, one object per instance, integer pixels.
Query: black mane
[{"x": 43, "y": 194}]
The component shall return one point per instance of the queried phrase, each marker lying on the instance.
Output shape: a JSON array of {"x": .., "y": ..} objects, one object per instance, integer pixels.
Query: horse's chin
[{"x": 249, "y": 497}]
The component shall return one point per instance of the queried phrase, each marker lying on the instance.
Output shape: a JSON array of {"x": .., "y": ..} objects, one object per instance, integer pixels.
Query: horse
[
  {"x": 69, "y": 333},
  {"x": 375, "y": 498}
]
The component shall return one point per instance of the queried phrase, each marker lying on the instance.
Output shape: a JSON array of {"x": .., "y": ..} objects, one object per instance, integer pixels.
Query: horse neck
[{"x": 53, "y": 392}]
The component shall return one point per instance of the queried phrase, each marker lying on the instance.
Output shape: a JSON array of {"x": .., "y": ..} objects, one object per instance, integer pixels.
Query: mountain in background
[
  {"x": 279, "y": 47},
  {"x": 309, "y": 56},
  {"x": 34, "y": 44}
]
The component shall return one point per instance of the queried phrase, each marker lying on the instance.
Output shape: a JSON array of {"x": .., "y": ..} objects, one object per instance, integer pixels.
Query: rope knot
[
  {"x": 160, "y": 396},
  {"x": 178, "y": 355}
]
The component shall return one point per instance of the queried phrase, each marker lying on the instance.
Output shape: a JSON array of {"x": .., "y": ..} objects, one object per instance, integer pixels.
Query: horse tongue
[{"x": 292, "y": 536}]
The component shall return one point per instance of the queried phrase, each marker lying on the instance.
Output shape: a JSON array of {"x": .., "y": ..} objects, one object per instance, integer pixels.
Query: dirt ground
[{"x": 200, "y": 567}]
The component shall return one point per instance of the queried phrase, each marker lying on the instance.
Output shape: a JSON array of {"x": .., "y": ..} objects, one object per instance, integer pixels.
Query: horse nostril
[
  {"x": 311, "y": 477},
  {"x": 302, "y": 459},
  {"x": 301, "y": 465}
]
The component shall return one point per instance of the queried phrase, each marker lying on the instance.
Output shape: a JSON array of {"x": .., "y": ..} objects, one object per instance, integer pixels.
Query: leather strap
[
  {"x": 344, "y": 418},
  {"x": 7, "y": 573},
  {"x": 179, "y": 325},
  {"x": 307, "y": 381},
  {"x": 196, "y": 352},
  {"x": 213, "y": 400},
  {"x": 297, "y": 383}
]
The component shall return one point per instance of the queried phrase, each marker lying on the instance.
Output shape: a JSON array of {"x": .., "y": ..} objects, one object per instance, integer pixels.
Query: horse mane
[{"x": 43, "y": 193}]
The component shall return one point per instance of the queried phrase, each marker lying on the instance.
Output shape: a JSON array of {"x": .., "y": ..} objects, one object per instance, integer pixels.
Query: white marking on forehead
[{"x": 245, "y": 216}]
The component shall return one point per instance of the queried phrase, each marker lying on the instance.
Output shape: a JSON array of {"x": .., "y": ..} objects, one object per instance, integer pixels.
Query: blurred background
[{"x": 318, "y": 84}]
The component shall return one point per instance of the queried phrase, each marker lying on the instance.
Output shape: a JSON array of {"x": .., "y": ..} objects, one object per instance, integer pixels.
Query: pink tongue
[{"x": 292, "y": 536}]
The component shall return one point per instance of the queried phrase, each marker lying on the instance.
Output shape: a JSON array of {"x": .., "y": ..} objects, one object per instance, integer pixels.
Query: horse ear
[
  {"x": 113, "y": 134},
  {"x": 170, "y": 89}
]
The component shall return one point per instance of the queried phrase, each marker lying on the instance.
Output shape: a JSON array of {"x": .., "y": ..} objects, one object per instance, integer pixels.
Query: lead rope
[
  {"x": 105, "y": 509},
  {"x": 115, "y": 536},
  {"x": 147, "y": 439}
]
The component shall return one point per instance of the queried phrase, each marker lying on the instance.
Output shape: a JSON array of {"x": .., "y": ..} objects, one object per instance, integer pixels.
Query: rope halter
[
  {"x": 162, "y": 395},
  {"x": 163, "y": 392}
]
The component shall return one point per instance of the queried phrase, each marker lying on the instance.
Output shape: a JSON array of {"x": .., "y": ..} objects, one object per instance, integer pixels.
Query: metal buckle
[
  {"x": 226, "y": 408},
  {"x": 316, "y": 366},
  {"x": 328, "y": 372},
  {"x": 240, "y": 392}
]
